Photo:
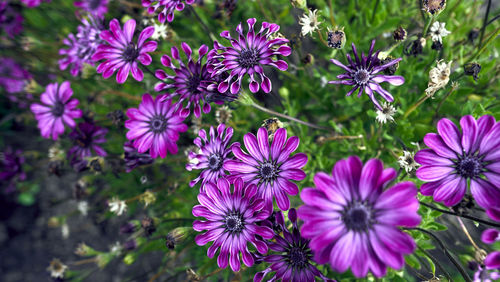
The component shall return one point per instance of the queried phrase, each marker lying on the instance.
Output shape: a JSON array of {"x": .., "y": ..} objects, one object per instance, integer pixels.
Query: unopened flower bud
[
  {"x": 416, "y": 47},
  {"x": 176, "y": 236},
  {"x": 148, "y": 225},
  {"x": 433, "y": 7},
  {"x": 473, "y": 34},
  {"x": 336, "y": 38},
  {"x": 392, "y": 69},
  {"x": 301, "y": 4},
  {"x": 117, "y": 117},
  {"x": 127, "y": 228},
  {"x": 272, "y": 125},
  {"x": 472, "y": 69},
  {"x": 308, "y": 59},
  {"x": 399, "y": 34},
  {"x": 437, "y": 45},
  {"x": 130, "y": 245}
]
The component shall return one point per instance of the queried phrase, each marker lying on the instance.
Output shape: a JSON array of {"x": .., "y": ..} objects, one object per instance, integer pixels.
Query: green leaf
[{"x": 26, "y": 199}]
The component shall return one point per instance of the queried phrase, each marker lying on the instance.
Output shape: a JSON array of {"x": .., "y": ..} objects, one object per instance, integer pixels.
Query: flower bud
[
  {"x": 433, "y": 7},
  {"x": 336, "y": 38},
  {"x": 176, "y": 236},
  {"x": 472, "y": 69},
  {"x": 301, "y": 4},
  {"x": 473, "y": 34},
  {"x": 130, "y": 245},
  {"x": 399, "y": 34},
  {"x": 308, "y": 59},
  {"x": 392, "y": 69},
  {"x": 437, "y": 45},
  {"x": 148, "y": 225}
]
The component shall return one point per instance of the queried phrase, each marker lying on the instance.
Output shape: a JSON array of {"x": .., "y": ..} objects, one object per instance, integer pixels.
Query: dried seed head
[
  {"x": 192, "y": 276},
  {"x": 148, "y": 225},
  {"x": 473, "y": 34},
  {"x": 147, "y": 198},
  {"x": 392, "y": 69},
  {"x": 437, "y": 45},
  {"x": 472, "y": 69},
  {"x": 57, "y": 269},
  {"x": 399, "y": 34},
  {"x": 415, "y": 48},
  {"x": 336, "y": 38},
  {"x": 433, "y": 7}
]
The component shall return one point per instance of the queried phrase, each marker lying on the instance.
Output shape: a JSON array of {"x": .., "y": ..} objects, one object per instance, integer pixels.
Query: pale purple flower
[
  {"x": 213, "y": 152},
  {"x": 492, "y": 260},
  {"x": 133, "y": 158},
  {"x": 248, "y": 55},
  {"x": 363, "y": 74},
  {"x": 87, "y": 137},
  {"x": 231, "y": 216},
  {"x": 13, "y": 78},
  {"x": 458, "y": 157},
  {"x": 11, "y": 21},
  {"x": 97, "y": 8},
  {"x": 121, "y": 53},
  {"x": 167, "y": 8},
  {"x": 56, "y": 110},
  {"x": 482, "y": 274},
  {"x": 188, "y": 81},
  {"x": 11, "y": 168},
  {"x": 271, "y": 168},
  {"x": 352, "y": 219},
  {"x": 155, "y": 126}
]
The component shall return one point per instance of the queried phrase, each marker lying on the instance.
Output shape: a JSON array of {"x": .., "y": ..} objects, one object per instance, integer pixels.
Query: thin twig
[
  {"x": 436, "y": 262},
  {"x": 467, "y": 233},
  {"x": 461, "y": 215},
  {"x": 332, "y": 19},
  {"x": 485, "y": 21}
]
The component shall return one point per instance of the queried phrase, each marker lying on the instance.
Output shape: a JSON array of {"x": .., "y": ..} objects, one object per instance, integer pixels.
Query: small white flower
[
  {"x": 116, "y": 248},
  {"x": 438, "y": 31},
  {"x": 57, "y": 268},
  {"x": 407, "y": 161},
  {"x": 438, "y": 77},
  {"x": 83, "y": 207},
  {"x": 160, "y": 31},
  {"x": 223, "y": 114},
  {"x": 116, "y": 206},
  {"x": 309, "y": 22},
  {"x": 323, "y": 81},
  {"x": 65, "y": 231},
  {"x": 386, "y": 113}
]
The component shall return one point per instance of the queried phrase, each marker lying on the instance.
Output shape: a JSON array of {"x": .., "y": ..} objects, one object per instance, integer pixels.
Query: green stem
[
  {"x": 332, "y": 19},
  {"x": 415, "y": 106},
  {"x": 436, "y": 262},
  {"x": 429, "y": 23},
  {"x": 492, "y": 37},
  {"x": 374, "y": 10},
  {"x": 485, "y": 21},
  {"x": 494, "y": 224}
]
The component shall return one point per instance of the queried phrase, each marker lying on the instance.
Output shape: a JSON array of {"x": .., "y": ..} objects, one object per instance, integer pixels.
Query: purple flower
[
  {"x": 248, "y": 55},
  {"x": 353, "y": 222},
  {"x": 86, "y": 136},
  {"x": 270, "y": 168},
  {"x": 13, "y": 78},
  {"x": 293, "y": 257},
  {"x": 212, "y": 155},
  {"x": 492, "y": 260},
  {"x": 189, "y": 81},
  {"x": 97, "y": 8},
  {"x": 11, "y": 21},
  {"x": 363, "y": 74},
  {"x": 484, "y": 275},
  {"x": 155, "y": 126},
  {"x": 133, "y": 158},
  {"x": 231, "y": 222},
  {"x": 121, "y": 53},
  {"x": 11, "y": 168},
  {"x": 456, "y": 157},
  {"x": 169, "y": 6},
  {"x": 57, "y": 110},
  {"x": 81, "y": 47},
  {"x": 33, "y": 3}
]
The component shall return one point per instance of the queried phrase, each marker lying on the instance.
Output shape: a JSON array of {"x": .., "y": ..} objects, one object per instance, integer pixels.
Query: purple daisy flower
[
  {"x": 189, "y": 82},
  {"x": 11, "y": 21},
  {"x": 270, "y": 168},
  {"x": 81, "y": 47},
  {"x": 121, "y": 53},
  {"x": 248, "y": 55},
  {"x": 11, "y": 168},
  {"x": 155, "y": 126},
  {"x": 456, "y": 157},
  {"x": 13, "y": 78},
  {"x": 97, "y": 8},
  {"x": 492, "y": 260},
  {"x": 484, "y": 275},
  {"x": 169, "y": 6},
  {"x": 363, "y": 74},
  {"x": 293, "y": 257},
  {"x": 57, "y": 110},
  {"x": 86, "y": 136},
  {"x": 133, "y": 158},
  {"x": 212, "y": 155},
  {"x": 231, "y": 222},
  {"x": 353, "y": 222}
]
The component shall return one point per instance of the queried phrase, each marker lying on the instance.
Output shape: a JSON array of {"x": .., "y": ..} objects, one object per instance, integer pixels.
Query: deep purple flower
[
  {"x": 11, "y": 21},
  {"x": 270, "y": 168},
  {"x": 133, "y": 158},
  {"x": 97, "y": 8},
  {"x": 247, "y": 55},
  {"x": 212, "y": 154},
  {"x": 13, "y": 78},
  {"x": 155, "y": 126},
  {"x": 456, "y": 157},
  {"x": 189, "y": 81},
  {"x": 292, "y": 258},
  {"x": 231, "y": 222},
  {"x": 11, "y": 168},
  {"x": 86, "y": 136},
  {"x": 492, "y": 260},
  {"x": 363, "y": 74},
  {"x": 57, "y": 110},
  {"x": 353, "y": 222},
  {"x": 169, "y": 6},
  {"x": 121, "y": 53},
  {"x": 81, "y": 47}
]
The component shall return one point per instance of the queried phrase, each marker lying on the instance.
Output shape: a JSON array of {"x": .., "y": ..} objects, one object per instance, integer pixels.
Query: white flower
[
  {"x": 323, "y": 81},
  {"x": 438, "y": 31},
  {"x": 83, "y": 207},
  {"x": 309, "y": 22},
  {"x": 116, "y": 206},
  {"x": 65, "y": 231},
  {"x": 407, "y": 161},
  {"x": 386, "y": 113},
  {"x": 116, "y": 248},
  {"x": 438, "y": 77},
  {"x": 57, "y": 268},
  {"x": 160, "y": 31}
]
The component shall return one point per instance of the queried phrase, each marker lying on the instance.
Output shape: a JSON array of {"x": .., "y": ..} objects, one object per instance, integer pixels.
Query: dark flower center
[
  {"x": 130, "y": 53},
  {"x": 192, "y": 84},
  {"x": 215, "y": 162},
  {"x": 84, "y": 141},
  {"x": 158, "y": 124},
  {"x": 58, "y": 109},
  {"x": 234, "y": 222},
  {"x": 94, "y": 4},
  {"x": 268, "y": 171},
  {"x": 358, "y": 217},
  {"x": 469, "y": 166},
  {"x": 297, "y": 257},
  {"x": 361, "y": 76},
  {"x": 248, "y": 58}
]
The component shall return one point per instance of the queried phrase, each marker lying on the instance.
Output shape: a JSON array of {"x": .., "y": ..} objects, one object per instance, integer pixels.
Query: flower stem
[
  {"x": 151, "y": 73},
  {"x": 492, "y": 37},
  {"x": 461, "y": 215},
  {"x": 374, "y": 10},
  {"x": 445, "y": 97},
  {"x": 467, "y": 233},
  {"x": 205, "y": 27},
  {"x": 436, "y": 262},
  {"x": 429, "y": 23},
  {"x": 485, "y": 21},
  {"x": 322, "y": 39},
  {"x": 415, "y": 106},
  {"x": 330, "y": 6}
]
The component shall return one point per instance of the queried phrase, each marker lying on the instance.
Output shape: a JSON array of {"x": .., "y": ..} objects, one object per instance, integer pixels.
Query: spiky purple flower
[
  {"x": 133, "y": 158},
  {"x": 188, "y": 81},
  {"x": 97, "y": 8},
  {"x": 455, "y": 158},
  {"x": 492, "y": 260},
  {"x": 155, "y": 126},
  {"x": 11, "y": 168},
  {"x": 57, "y": 110},
  {"x": 363, "y": 74},
  {"x": 248, "y": 55},
  {"x": 231, "y": 222},
  {"x": 11, "y": 21},
  {"x": 121, "y": 53},
  {"x": 212, "y": 154},
  {"x": 13, "y": 78},
  {"x": 86, "y": 137},
  {"x": 169, "y": 7},
  {"x": 352, "y": 220},
  {"x": 269, "y": 167},
  {"x": 292, "y": 258},
  {"x": 81, "y": 47}
]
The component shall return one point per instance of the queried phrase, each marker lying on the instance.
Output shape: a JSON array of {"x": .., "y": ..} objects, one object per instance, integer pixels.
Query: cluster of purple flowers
[
  {"x": 167, "y": 8},
  {"x": 13, "y": 79},
  {"x": 11, "y": 21}
]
